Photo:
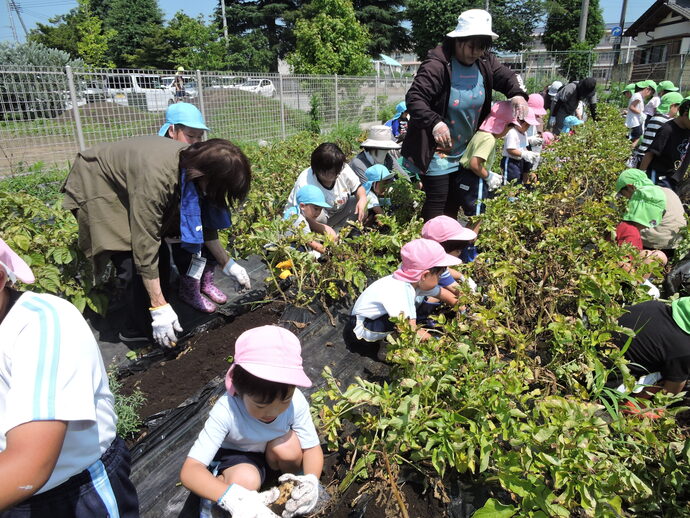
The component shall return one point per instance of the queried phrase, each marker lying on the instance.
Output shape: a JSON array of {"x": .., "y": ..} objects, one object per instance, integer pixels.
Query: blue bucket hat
[
  {"x": 185, "y": 114},
  {"x": 312, "y": 195},
  {"x": 376, "y": 173},
  {"x": 400, "y": 109}
]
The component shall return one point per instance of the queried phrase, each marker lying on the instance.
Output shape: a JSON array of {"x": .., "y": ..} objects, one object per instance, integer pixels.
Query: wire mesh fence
[{"x": 48, "y": 114}]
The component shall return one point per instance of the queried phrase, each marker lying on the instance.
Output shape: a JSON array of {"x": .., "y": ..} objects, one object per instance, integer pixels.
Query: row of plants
[{"x": 512, "y": 393}]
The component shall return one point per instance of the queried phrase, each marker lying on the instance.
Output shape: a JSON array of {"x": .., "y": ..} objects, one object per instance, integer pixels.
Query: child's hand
[
  {"x": 330, "y": 232},
  {"x": 308, "y": 496},
  {"x": 242, "y": 503}
]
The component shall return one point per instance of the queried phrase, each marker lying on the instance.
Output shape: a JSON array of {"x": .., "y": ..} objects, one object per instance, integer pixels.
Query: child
[
  {"x": 645, "y": 209},
  {"x": 475, "y": 179},
  {"x": 423, "y": 261},
  {"x": 515, "y": 152},
  {"x": 665, "y": 111},
  {"x": 184, "y": 123},
  {"x": 262, "y": 422},
  {"x": 379, "y": 179},
  {"x": 310, "y": 202},
  {"x": 634, "y": 116},
  {"x": 398, "y": 124},
  {"x": 651, "y": 106},
  {"x": 59, "y": 453},
  {"x": 454, "y": 238},
  {"x": 569, "y": 124},
  {"x": 339, "y": 184}
]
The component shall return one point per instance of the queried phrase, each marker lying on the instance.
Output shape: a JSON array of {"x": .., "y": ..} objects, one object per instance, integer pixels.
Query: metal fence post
[
  {"x": 376, "y": 96},
  {"x": 337, "y": 104},
  {"x": 200, "y": 89},
  {"x": 75, "y": 107},
  {"x": 282, "y": 106}
]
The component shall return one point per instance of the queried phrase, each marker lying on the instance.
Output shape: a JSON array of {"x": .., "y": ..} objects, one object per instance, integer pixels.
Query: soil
[{"x": 169, "y": 383}]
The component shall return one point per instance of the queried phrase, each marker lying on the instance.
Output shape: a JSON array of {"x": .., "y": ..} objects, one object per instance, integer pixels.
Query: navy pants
[
  {"x": 512, "y": 169},
  {"x": 471, "y": 190},
  {"x": 103, "y": 490}
]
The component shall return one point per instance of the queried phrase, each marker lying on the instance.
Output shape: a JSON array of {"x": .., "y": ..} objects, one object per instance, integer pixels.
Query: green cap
[
  {"x": 629, "y": 88},
  {"x": 668, "y": 86},
  {"x": 635, "y": 177},
  {"x": 646, "y": 206},
  {"x": 651, "y": 83},
  {"x": 667, "y": 100},
  {"x": 680, "y": 309}
]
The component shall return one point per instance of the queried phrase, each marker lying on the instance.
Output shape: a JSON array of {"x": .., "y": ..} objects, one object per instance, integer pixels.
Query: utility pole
[
  {"x": 486, "y": 5},
  {"x": 225, "y": 21},
  {"x": 617, "y": 46},
  {"x": 17, "y": 10},
  {"x": 12, "y": 26},
  {"x": 583, "y": 20}
]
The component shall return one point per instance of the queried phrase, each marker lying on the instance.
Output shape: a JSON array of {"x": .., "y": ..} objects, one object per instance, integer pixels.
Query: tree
[
  {"x": 562, "y": 25},
  {"x": 58, "y": 33},
  {"x": 92, "y": 42},
  {"x": 383, "y": 19},
  {"x": 133, "y": 22},
  {"x": 513, "y": 20},
  {"x": 269, "y": 20}
]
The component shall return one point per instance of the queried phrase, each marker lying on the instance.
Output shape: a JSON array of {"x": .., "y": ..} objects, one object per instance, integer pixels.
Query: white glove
[
  {"x": 242, "y": 503},
  {"x": 653, "y": 291},
  {"x": 308, "y": 495},
  {"x": 520, "y": 107},
  {"x": 240, "y": 275},
  {"x": 470, "y": 282},
  {"x": 493, "y": 181},
  {"x": 535, "y": 140},
  {"x": 441, "y": 134},
  {"x": 164, "y": 325},
  {"x": 530, "y": 156},
  {"x": 316, "y": 255}
]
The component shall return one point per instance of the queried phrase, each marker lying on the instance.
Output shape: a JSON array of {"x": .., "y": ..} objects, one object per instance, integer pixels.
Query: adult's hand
[
  {"x": 441, "y": 135},
  {"x": 520, "y": 107},
  {"x": 237, "y": 272},
  {"x": 164, "y": 325}
]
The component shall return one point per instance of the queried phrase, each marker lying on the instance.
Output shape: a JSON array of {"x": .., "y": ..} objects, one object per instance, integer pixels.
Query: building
[{"x": 662, "y": 35}]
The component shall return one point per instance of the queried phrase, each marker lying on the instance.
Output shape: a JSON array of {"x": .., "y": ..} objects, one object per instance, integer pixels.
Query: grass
[{"x": 37, "y": 180}]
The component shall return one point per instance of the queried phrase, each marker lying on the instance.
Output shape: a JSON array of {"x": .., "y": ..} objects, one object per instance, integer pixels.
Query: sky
[{"x": 39, "y": 11}]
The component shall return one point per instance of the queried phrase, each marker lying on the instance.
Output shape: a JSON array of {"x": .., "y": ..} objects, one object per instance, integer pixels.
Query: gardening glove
[
  {"x": 493, "y": 181},
  {"x": 308, "y": 495},
  {"x": 441, "y": 135},
  {"x": 653, "y": 291},
  {"x": 530, "y": 156},
  {"x": 240, "y": 275},
  {"x": 520, "y": 107},
  {"x": 242, "y": 503},
  {"x": 164, "y": 325},
  {"x": 535, "y": 141},
  {"x": 471, "y": 283},
  {"x": 316, "y": 255}
]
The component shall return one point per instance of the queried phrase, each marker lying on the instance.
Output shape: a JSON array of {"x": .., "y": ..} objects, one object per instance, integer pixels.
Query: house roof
[{"x": 657, "y": 12}]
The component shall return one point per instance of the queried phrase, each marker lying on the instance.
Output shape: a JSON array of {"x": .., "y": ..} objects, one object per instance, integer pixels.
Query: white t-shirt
[
  {"x": 386, "y": 296},
  {"x": 300, "y": 222},
  {"x": 372, "y": 200},
  {"x": 51, "y": 369},
  {"x": 229, "y": 425},
  {"x": 651, "y": 106},
  {"x": 345, "y": 185},
  {"x": 632, "y": 120},
  {"x": 514, "y": 140}
]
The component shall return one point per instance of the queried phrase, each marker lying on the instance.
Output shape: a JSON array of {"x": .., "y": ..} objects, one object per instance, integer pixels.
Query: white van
[
  {"x": 137, "y": 89},
  {"x": 190, "y": 88}
]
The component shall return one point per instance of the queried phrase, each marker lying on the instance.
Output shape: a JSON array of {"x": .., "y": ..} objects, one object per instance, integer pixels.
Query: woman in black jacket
[{"x": 448, "y": 100}]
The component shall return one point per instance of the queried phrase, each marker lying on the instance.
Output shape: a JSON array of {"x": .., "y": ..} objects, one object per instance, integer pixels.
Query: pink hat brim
[
  {"x": 288, "y": 375},
  {"x": 15, "y": 264},
  {"x": 411, "y": 275}
]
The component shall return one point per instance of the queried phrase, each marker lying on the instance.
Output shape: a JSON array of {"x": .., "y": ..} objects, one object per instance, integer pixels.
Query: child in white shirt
[
  {"x": 310, "y": 203},
  {"x": 515, "y": 152},
  {"x": 262, "y": 422},
  {"x": 379, "y": 179},
  {"x": 634, "y": 116}
]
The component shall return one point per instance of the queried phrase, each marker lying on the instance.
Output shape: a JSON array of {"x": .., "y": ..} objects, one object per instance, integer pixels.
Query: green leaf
[{"x": 494, "y": 509}]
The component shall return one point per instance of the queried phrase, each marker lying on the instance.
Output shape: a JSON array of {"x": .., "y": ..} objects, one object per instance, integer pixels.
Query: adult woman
[
  {"x": 448, "y": 100},
  {"x": 128, "y": 195},
  {"x": 568, "y": 99}
]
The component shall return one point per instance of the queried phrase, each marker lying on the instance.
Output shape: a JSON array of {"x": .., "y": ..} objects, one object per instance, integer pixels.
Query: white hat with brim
[
  {"x": 474, "y": 22},
  {"x": 380, "y": 137}
]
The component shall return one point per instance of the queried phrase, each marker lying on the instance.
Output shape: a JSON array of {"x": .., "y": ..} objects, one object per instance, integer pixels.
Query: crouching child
[
  {"x": 262, "y": 422},
  {"x": 310, "y": 202},
  {"x": 379, "y": 180},
  {"x": 393, "y": 296}
]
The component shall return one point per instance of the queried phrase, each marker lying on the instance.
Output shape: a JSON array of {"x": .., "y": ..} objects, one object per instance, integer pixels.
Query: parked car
[
  {"x": 224, "y": 82},
  {"x": 141, "y": 90},
  {"x": 259, "y": 86},
  {"x": 190, "y": 87}
]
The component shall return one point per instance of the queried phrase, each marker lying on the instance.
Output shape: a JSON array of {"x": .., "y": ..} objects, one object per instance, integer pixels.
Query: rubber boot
[
  {"x": 191, "y": 294},
  {"x": 209, "y": 289}
]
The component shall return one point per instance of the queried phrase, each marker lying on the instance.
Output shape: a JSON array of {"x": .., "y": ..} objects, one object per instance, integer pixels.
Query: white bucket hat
[
  {"x": 473, "y": 22},
  {"x": 554, "y": 87},
  {"x": 380, "y": 137}
]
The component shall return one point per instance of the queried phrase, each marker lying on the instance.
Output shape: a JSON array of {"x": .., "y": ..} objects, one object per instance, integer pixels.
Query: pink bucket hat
[
  {"x": 420, "y": 255},
  {"x": 270, "y": 353},
  {"x": 14, "y": 265},
  {"x": 444, "y": 228},
  {"x": 536, "y": 102},
  {"x": 501, "y": 114}
]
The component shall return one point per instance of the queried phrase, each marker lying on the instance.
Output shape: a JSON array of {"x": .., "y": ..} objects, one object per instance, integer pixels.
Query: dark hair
[
  {"x": 327, "y": 158},
  {"x": 264, "y": 391},
  {"x": 483, "y": 42},
  {"x": 454, "y": 245},
  {"x": 684, "y": 107},
  {"x": 225, "y": 167},
  {"x": 176, "y": 127},
  {"x": 437, "y": 270}
]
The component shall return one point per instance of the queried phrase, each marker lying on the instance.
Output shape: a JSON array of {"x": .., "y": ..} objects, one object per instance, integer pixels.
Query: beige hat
[
  {"x": 380, "y": 137},
  {"x": 473, "y": 22}
]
